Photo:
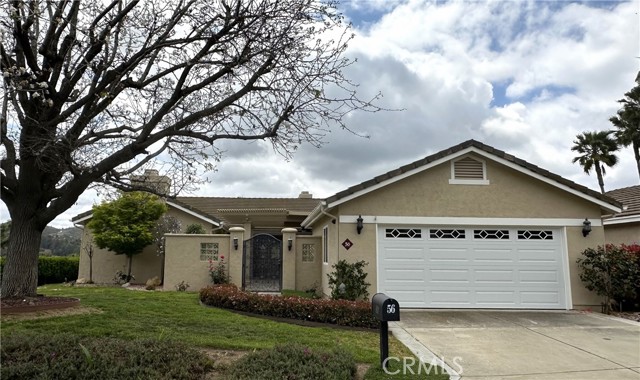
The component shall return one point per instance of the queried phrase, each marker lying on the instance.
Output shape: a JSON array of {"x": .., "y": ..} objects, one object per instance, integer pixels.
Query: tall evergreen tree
[
  {"x": 596, "y": 151},
  {"x": 627, "y": 121}
]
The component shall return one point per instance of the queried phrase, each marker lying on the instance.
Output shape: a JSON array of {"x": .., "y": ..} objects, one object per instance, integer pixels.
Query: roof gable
[{"x": 467, "y": 147}]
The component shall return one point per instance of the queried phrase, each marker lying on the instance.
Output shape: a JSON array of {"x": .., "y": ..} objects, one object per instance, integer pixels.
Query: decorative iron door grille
[{"x": 262, "y": 264}]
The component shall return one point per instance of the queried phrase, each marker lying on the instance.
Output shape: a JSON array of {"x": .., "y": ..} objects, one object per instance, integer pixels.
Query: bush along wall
[
  {"x": 53, "y": 270},
  {"x": 338, "y": 312}
]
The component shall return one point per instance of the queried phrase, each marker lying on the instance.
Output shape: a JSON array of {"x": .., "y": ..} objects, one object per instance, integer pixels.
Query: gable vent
[{"x": 468, "y": 168}]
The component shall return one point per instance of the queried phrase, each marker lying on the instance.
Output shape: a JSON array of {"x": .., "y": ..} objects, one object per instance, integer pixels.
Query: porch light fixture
[
  {"x": 586, "y": 227},
  {"x": 289, "y": 244},
  {"x": 235, "y": 243},
  {"x": 359, "y": 224}
]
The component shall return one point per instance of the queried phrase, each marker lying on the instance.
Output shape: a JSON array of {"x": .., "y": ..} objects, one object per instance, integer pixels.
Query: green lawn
[{"x": 179, "y": 316}]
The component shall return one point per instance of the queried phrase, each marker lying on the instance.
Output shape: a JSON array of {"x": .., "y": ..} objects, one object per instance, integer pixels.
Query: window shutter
[{"x": 468, "y": 168}]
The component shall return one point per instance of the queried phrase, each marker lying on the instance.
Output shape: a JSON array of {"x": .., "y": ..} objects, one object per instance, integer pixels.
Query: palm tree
[
  {"x": 596, "y": 151},
  {"x": 627, "y": 121}
]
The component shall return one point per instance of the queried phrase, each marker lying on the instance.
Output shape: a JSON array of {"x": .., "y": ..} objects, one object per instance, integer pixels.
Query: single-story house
[
  {"x": 624, "y": 227},
  {"x": 468, "y": 227}
]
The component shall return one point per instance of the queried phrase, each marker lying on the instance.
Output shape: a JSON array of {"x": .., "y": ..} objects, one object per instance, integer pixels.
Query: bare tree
[
  {"x": 88, "y": 249},
  {"x": 97, "y": 91}
]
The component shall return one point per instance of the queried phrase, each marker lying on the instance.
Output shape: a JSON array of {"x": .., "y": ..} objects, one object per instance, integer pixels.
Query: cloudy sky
[{"x": 524, "y": 77}]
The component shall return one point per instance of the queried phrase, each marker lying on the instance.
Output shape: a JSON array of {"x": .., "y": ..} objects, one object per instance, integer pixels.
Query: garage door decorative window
[
  {"x": 403, "y": 233},
  {"x": 491, "y": 234},
  {"x": 535, "y": 235},
  {"x": 446, "y": 234}
]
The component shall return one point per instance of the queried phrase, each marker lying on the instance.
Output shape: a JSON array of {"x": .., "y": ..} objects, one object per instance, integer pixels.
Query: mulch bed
[{"x": 32, "y": 304}]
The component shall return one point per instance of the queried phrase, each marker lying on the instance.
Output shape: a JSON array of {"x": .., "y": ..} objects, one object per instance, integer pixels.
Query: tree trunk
[
  {"x": 129, "y": 271},
  {"x": 599, "y": 174},
  {"x": 636, "y": 153},
  {"x": 20, "y": 274}
]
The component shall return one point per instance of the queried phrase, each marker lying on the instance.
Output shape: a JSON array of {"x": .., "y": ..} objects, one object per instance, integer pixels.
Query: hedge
[
  {"x": 338, "y": 312},
  {"x": 53, "y": 270}
]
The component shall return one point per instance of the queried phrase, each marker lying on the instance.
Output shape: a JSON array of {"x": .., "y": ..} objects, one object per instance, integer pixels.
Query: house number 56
[{"x": 391, "y": 309}]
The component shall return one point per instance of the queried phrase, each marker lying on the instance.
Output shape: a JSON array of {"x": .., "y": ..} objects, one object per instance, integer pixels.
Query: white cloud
[{"x": 525, "y": 77}]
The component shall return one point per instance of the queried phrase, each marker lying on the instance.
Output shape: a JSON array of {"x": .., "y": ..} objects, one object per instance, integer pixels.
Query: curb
[{"x": 420, "y": 350}]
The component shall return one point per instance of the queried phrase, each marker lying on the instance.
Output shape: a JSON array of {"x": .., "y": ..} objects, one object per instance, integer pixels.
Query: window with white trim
[
  {"x": 442, "y": 233},
  {"x": 535, "y": 235},
  {"x": 403, "y": 233},
  {"x": 208, "y": 251},
  {"x": 468, "y": 171},
  {"x": 325, "y": 245},
  {"x": 491, "y": 234}
]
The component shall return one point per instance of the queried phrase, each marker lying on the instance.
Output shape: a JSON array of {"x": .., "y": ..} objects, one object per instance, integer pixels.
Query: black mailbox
[{"x": 385, "y": 308}]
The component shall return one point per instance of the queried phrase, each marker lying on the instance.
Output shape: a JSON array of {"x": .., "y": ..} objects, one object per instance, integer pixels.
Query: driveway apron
[{"x": 525, "y": 345}]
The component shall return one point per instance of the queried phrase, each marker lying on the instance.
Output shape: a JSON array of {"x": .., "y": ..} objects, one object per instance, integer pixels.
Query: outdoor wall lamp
[
  {"x": 235, "y": 243},
  {"x": 290, "y": 244},
  {"x": 359, "y": 224},
  {"x": 586, "y": 227}
]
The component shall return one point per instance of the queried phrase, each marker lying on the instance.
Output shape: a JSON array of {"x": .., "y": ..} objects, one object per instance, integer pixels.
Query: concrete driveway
[{"x": 524, "y": 344}]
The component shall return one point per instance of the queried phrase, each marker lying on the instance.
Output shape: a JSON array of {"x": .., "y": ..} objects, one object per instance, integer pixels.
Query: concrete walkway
[{"x": 524, "y": 345}]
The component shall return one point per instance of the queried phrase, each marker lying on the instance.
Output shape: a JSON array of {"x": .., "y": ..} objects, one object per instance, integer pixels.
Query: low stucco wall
[
  {"x": 308, "y": 274},
  {"x": 105, "y": 263},
  {"x": 182, "y": 261},
  {"x": 624, "y": 233}
]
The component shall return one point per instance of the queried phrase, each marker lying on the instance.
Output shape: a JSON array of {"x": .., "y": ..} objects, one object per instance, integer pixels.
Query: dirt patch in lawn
[{"x": 78, "y": 310}]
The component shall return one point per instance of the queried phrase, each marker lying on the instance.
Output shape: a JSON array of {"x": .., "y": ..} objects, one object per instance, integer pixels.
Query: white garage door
[{"x": 472, "y": 267}]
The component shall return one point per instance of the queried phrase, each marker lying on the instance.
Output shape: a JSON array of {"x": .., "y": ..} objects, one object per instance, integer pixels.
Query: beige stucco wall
[
  {"x": 105, "y": 263},
  {"x": 510, "y": 194},
  {"x": 144, "y": 266},
  {"x": 183, "y": 259},
  {"x": 308, "y": 274},
  {"x": 624, "y": 233}
]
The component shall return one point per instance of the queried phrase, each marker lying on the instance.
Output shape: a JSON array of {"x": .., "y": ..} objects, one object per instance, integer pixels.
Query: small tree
[
  {"x": 125, "y": 225},
  {"x": 348, "y": 281},
  {"x": 195, "y": 229},
  {"x": 612, "y": 272},
  {"x": 88, "y": 249}
]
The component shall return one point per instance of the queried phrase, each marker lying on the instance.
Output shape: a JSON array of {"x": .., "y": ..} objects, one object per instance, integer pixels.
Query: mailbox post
[{"x": 385, "y": 309}]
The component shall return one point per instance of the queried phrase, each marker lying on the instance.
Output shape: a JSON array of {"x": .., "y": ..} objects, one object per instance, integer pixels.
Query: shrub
[
  {"x": 338, "y": 312},
  {"x": 218, "y": 271},
  {"x": 152, "y": 283},
  {"x": 54, "y": 270},
  {"x": 182, "y": 286},
  {"x": 294, "y": 362},
  {"x": 29, "y": 356},
  {"x": 353, "y": 276},
  {"x": 612, "y": 272},
  {"x": 195, "y": 229},
  {"x": 122, "y": 278}
]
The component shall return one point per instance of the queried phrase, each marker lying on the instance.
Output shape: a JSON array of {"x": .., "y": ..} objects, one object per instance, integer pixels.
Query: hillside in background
[{"x": 55, "y": 241}]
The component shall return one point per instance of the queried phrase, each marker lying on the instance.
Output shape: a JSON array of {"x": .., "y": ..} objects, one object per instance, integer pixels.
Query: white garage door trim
[{"x": 482, "y": 271}]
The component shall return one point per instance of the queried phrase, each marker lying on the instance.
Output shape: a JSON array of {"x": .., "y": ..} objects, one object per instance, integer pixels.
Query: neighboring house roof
[
  {"x": 172, "y": 203},
  {"x": 630, "y": 199},
  {"x": 225, "y": 208},
  {"x": 466, "y": 147}
]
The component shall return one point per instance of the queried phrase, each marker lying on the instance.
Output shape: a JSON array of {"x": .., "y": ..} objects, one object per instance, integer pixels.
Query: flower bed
[{"x": 339, "y": 312}]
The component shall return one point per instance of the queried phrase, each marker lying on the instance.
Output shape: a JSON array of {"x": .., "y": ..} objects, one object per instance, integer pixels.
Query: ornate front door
[{"x": 262, "y": 264}]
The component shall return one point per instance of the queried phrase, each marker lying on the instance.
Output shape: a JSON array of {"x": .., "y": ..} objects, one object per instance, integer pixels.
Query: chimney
[
  {"x": 305, "y": 195},
  {"x": 152, "y": 180}
]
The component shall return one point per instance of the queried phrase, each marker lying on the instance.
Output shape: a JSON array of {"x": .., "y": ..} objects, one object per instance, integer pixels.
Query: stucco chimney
[
  {"x": 151, "y": 179},
  {"x": 305, "y": 195}
]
